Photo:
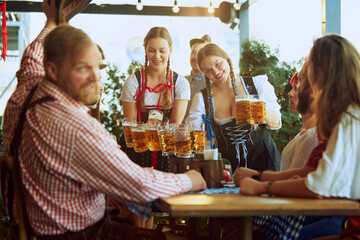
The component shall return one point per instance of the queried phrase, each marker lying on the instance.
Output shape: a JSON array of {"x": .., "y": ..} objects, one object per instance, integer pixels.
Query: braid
[
  {"x": 146, "y": 78},
  {"x": 167, "y": 93},
  {"x": 210, "y": 112},
  {"x": 232, "y": 76}
]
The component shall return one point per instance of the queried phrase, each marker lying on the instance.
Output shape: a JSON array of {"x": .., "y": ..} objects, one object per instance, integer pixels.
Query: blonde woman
[
  {"x": 155, "y": 87},
  {"x": 215, "y": 106}
]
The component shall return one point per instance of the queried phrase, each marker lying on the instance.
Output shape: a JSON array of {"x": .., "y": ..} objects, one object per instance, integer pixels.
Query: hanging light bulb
[
  {"x": 139, "y": 6},
  {"x": 237, "y": 5},
  {"x": 211, "y": 8},
  {"x": 175, "y": 8}
]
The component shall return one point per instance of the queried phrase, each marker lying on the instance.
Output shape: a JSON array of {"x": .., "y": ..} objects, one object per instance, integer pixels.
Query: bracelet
[
  {"x": 269, "y": 186},
  {"x": 257, "y": 176}
]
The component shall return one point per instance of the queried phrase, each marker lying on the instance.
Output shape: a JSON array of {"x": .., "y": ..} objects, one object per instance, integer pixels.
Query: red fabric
[
  {"x": 4, "y": 29},
  {"x": 157, "y": 89},
  {"x": 154, "y": 159},
  {"x": 316, "y": 155},
  {"x": 292, "y": 79}
]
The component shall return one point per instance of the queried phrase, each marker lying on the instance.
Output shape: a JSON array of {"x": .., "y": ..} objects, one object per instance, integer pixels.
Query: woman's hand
[
  {"x": 272, "y": 119},
  {"x": 249, "y": 186},
  {"x": 242, "y": 173}
]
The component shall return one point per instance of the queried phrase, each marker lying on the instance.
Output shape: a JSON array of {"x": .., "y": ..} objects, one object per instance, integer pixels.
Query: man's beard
[{"x": 87, "y": 98}]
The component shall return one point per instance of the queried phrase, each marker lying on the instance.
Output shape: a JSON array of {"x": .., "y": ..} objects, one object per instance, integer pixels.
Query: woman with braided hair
[
  {"x": 241, "y": 144},
  {"x": 154, "y": 87},
  {"x": 160, "y": 87}
]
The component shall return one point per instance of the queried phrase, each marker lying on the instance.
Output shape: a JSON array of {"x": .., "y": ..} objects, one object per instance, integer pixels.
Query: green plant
[
  {"x": 257, "y": 58},
  {"x": 112, "y": 113}
]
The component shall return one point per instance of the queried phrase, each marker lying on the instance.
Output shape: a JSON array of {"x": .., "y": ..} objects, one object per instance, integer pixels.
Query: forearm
[
  {"x": 301, "y": 172},
  {"x": 31, "y": 69},
  {"x": 290, "y": 188},
  {"x": 130, "y": 110},
  {"x": 106, "y": 168},
  {"x": 178, "y": 111}
]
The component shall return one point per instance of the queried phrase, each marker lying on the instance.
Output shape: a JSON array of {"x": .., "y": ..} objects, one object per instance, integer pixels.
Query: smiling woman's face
[
  {"x": 217, "y": 69},
  {"x": 158, "y": 52}
]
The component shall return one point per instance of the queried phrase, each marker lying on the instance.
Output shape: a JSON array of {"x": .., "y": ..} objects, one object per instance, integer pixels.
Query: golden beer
[
  {"x": 153, "y": 140},
  {"x": 258, "y": 111},
  {"x": 167, "y": 142},
  {"x": 139, "y": 138},
  {"x": 197, "y": 140},
  {"x": 183, "y": 148},
  {"x": 127, "y": 136},
  {"x": 243, "y": 111}
]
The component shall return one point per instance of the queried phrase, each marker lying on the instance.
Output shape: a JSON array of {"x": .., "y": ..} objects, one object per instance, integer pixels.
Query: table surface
[{"x": 237, "y": 205}]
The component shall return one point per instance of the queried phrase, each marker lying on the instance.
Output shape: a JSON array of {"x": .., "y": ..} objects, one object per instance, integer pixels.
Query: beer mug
[
  {"x": 126, "y": 124},
  {"x": 197, "y": 136},
  {"x": 138, "y": 134},
  {"x": 153, "y": 137},
  {"x": 166, "y": 137},
  {"x": 258, "y": 109},
  {"x": 155, "y": 117},
  {"x": 243, "y": 109},
  {"x": 182, "y": 141}
]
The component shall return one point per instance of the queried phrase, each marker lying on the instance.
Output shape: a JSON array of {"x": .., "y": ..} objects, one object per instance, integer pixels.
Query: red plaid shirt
[{"x": 69, "y": 161}]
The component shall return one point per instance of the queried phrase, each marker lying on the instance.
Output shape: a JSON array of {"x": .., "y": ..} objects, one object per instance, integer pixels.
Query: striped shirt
[{"x": 68, "y": 160}]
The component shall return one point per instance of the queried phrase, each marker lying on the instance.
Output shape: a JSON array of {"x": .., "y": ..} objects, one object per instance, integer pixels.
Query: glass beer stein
[
  {"x": 182, "y": 141},
  {"x": 126, "y": 124},
  {"x": 258, "y": 109},
  {"x": 197, "y": 136},
  {"x": 243, "y": 109},
  {"x": 153, "y": 137},
  {"x": 166, "y": 137},
  {"x": 140, "y": 141}
]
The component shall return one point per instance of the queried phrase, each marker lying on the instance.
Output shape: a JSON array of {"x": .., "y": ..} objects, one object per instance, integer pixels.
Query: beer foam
[{"x": 155, "y": 116}]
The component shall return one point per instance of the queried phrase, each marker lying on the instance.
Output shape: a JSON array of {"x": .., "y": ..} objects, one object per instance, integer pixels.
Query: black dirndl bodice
[{"x": 245, "y": 145}]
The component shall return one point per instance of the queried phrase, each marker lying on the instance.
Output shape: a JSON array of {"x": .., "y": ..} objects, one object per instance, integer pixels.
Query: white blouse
[
  {"x": 338, "y": 172},
  {"x": 182, "y": 91},
  {"x": 265, "y": 91},
  {"x": 297, "y": 152}
]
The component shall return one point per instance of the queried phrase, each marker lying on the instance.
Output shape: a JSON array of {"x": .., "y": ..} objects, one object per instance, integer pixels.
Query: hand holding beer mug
[
  {"x": 127, "y": 123},
  {"x": 243, "y": 109},
  {"x": 138, "y": 134},
  {"x": 182, "y": 141},
  {"x": 197, "y": 135},
  {"x": 258, "y": 109},
  {"x": 166, "y": 137}
]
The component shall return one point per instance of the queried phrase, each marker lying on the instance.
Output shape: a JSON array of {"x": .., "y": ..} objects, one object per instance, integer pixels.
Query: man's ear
[{"x": 51, "y": 71}]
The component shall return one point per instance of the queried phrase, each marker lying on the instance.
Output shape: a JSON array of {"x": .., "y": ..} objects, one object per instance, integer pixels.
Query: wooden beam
[{"x": 117, "y": 9}]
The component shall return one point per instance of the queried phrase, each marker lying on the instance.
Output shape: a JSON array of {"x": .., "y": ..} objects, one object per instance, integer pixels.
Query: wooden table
[{"x": 244, "y": 207}]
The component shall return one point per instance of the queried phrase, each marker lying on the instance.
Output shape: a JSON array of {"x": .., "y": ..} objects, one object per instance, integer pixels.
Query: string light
[
  {"x": 211, "y": 8},
  {"x": 139, "y": 6},
  {"x": 175, "y": 8},
  {"x": 237, "y": 5}
]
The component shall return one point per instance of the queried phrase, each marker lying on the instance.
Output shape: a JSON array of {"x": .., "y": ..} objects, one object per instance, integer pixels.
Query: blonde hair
[
  {"x": 64, "y": 40},
  {"x": 212, "y": 49},
  {"x": 336, "y": 66},
  {"x": 163, "y": 33}
]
